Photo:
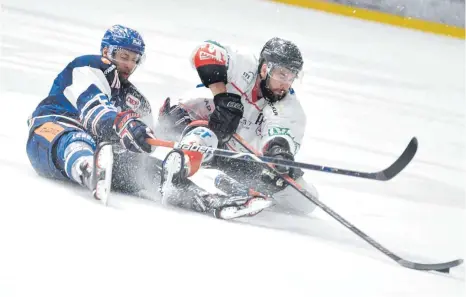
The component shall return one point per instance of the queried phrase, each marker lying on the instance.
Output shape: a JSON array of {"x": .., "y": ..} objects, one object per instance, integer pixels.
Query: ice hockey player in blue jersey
[
  {"x": 92, "y": 103},
  {"x": 92, "y": 126}
]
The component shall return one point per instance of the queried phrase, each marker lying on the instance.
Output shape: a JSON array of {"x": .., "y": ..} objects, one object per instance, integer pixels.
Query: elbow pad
[
  {"x": 210, "y": 74},
  {"x": 210, "y": 61}
]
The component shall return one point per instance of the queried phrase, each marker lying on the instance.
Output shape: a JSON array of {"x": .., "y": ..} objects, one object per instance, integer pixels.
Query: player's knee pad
[
  {"x": 46, "y": 141},
  {"x": 71, "y": 146}
]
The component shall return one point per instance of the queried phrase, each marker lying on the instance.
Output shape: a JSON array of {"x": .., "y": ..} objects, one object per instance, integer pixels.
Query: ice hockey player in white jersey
[
  {"x": 90, "y": 104},
  {"x": 253, "y": 98}
]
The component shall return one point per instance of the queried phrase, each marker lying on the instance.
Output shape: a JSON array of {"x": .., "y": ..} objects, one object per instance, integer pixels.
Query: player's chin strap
[{"x": 254, "y": 156}]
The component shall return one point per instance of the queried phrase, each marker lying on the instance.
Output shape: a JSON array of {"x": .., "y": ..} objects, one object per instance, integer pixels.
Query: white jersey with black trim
[{"x": 262, "y": 121}]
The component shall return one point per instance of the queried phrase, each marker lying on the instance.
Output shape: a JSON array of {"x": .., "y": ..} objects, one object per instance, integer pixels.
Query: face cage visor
[
  {"x": 283, "y": 74},
  {"x": 125, "y": 58}
]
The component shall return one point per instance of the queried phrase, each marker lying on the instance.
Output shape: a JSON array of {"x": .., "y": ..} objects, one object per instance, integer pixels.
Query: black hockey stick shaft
[
  {"x": 441, "y": 267},
  {"x": 383, "y": 175}
]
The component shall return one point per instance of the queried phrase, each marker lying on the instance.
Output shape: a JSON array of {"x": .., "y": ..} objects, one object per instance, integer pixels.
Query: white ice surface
[{"x": 368, "y": 88}]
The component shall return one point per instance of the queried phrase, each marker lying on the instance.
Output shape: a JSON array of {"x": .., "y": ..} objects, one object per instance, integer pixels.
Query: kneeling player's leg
[{"x": 58, "y": 151}]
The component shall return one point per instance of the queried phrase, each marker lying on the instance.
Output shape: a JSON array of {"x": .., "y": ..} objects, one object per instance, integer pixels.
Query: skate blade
[
  {"x": 104, "y": 166},
  {"x": 253, "y": 208}
]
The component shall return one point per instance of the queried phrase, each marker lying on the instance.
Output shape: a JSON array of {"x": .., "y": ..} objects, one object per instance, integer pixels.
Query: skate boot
[
  {"x": 95, "y": 172},
  {"x": 173, "y": 175},
  {"x": 230, "y": 207}
]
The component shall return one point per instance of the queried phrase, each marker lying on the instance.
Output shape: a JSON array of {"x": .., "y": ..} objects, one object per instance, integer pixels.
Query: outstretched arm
[{"x": 211, "y": 61}]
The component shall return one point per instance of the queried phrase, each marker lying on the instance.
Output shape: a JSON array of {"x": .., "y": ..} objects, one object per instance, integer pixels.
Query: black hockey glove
[
  {"x": 279, "y": 149},
  {"x": 173, "y": 118},
  {"x": 224, "y": 120},
  {"x": 132, "y": 132}
]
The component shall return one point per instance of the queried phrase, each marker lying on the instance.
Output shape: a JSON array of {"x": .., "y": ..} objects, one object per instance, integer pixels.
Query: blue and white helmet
[{"x": 121, "y": 37}]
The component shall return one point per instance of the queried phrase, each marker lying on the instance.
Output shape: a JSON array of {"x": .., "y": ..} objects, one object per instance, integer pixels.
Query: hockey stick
[
  {"x": 440, "y": 267},
  {"x": 383, "y": 175}
]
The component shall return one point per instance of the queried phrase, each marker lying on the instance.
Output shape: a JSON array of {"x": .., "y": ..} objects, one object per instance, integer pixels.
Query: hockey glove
[
  {"x": 279, "y": 149},
  {"x": 224, "y": 120},
  {"x": 173, "y": 117},
  {"x": 132, "y": 132}
]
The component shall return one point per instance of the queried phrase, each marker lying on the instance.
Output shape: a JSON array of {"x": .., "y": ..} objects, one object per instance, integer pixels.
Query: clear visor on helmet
[
  {"x": 122, "y": 56},
  {"x": 283, "y": 74}
]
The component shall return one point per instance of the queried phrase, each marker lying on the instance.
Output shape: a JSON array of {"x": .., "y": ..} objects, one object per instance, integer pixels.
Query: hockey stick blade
[
  {"x": 394, "y": 169},
  {"x": 403, "y": 160},
  {"x": 400, "y": 163},
  {"x": 440, "y": 267},
  {"x": 387, "y": 174}
]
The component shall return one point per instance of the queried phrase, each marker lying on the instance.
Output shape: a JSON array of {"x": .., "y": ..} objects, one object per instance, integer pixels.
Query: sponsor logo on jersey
[
  {"x": 248, "y": 76},
  {"x": 132, "y": 102},
  {"x": 109, "y": 69},
  {"x": 207, "y": 105},
  {"x": 259, "y": 131},
  {"x": 49, "y": 131},
  {"x": 260, "y": 119},
  {"x": 207, "y": 56},
  {"x": 277, "y": 131},
  {"x": 274, "y": 109},
  {"x": 210, "y": 54}
]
